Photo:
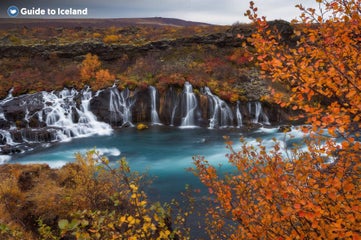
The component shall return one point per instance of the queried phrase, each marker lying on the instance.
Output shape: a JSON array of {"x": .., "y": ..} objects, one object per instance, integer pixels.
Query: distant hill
[{"x": 7, "y": 23}]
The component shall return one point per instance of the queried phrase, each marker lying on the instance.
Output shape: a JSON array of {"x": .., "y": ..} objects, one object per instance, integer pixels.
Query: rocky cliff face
[
  {"x": 32, "y": 119},
  {"x": 29, "y": 120},
  {"x": 111, "y": 52}
]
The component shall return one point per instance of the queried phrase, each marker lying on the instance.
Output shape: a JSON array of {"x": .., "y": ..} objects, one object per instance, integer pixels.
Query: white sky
[
  {"x": 225, "y": 12},
  {"x": 210, "y": 11}
]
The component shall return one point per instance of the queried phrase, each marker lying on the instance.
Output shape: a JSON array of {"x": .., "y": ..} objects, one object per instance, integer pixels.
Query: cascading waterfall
[
  {"x": 255, "y": 110},
  {"x": 60, "y": 112},
  {"x": 8, "y": 98},
  {"x": 154, "y": 113},
  {"x": 220, "y": 113},
  {"x": 175, "y": 100},
  {"x": 174, "y": 112},
  {"x": 2, "y": 116},
  {"x": 55, "y": 116},
  {"x": 239, "y": 116},
  {"x": 188, "y": 106},
  {"x": 5, "y": 136},
  {"x": 120, "y": 106},
  {"x": 89, "y": 119}
]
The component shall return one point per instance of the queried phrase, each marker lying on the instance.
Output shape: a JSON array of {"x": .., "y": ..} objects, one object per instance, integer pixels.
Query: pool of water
[{"x": 161, "y": 151}]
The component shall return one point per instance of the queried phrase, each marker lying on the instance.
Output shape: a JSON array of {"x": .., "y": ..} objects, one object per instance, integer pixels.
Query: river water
[{"x": 162, "y": 152}]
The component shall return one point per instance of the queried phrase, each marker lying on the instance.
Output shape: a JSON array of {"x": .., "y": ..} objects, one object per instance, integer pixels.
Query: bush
[{"x": 85, "y": 199}]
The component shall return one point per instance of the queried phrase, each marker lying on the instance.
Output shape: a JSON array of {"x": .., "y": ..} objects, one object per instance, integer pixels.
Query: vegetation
[
  {"x": 283, "y": 193},
  {"x": 93, "y": 75},
  {"x": 277, "y": 193},
  {"x": 87, "y": 199},
  {"x": 195, "y": 62},
  {"x": 132, "y": 35}
]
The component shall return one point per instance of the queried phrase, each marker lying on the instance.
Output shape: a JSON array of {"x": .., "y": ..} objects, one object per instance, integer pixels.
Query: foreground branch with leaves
[{"x": 280, "y": 193}]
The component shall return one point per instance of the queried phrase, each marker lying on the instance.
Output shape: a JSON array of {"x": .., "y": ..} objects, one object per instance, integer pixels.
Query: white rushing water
[
  {"x": 65, "y": 115},
  {"x": 255, "y": 110},
  {"x": 188, "y": 106},
  {"x": 221, "y": 113},
  {"x": 239, "y": 116},
  {"x": 120, "y": 106},
  {"x": 61, "y": 112},
  {"x": 154, "y": 113},
  {"x": 174, "y": 109},
  {"x": 5, "y": 135}
]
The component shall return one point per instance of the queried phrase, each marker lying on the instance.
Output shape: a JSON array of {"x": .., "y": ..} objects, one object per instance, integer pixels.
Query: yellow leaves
[
  {"x": 132, "y": 221},
  {"x": 164, "y": 234},
  {"x": 133, "y": 187},
  {"x": 81, "y": 192},
  {"x": 122, "y": 219},
  {"x": 111, "y": 226}
]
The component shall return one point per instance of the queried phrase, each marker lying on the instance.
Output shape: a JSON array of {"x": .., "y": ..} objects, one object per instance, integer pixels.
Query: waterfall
[
  {"x": 239, "y": 116},
  {"x": 120, "y": 106},
  {"x": 87, "y": 118},
  {"x": 174, "y": 101},
  {"x": 154, "y": 113},
  {"x": 188, "y": 106},
  {"x": 2, "y": 115},
  {"x": 220, "y": 113},
  {"x": 174, "y": 110},
  {"x": 8, "y": 98},
  {"x": 5, "y": 138},
  {"x": 256, "y": 111},
  {"x": 61, "y": 111}
]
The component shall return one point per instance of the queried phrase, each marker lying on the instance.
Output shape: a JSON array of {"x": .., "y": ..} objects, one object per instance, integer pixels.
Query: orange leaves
[
  {"x": 315, "y": 193},
  {"x": 276, "y": 63},
  {"x": 323, "y": 65},
  {"x": 103, "y": 79},
  {"x": 89, "y": 67},
  {"x": 92, "y": 74}
]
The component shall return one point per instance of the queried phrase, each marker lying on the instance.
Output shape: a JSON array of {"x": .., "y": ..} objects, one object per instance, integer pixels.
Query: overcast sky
[{"x": 223, "y": 12}]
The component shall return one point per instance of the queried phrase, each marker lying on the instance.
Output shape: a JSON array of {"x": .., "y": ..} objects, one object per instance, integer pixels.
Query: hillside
[
  {"x": 7, "y": 23},
  {"x": 137, "y": 51}
]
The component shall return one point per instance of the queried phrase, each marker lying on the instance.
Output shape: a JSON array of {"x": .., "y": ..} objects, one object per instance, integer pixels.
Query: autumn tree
[
  {"x": 92, "y": 73},
  {"x": 282, "y": 193}
]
